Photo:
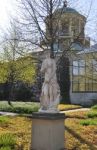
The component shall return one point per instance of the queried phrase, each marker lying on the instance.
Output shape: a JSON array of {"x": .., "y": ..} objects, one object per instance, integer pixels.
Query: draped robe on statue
[{"x": 50, "y": 90}]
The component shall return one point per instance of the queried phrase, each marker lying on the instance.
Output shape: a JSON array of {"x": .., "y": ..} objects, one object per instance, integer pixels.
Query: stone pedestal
[{"x": 47, "y": 131}]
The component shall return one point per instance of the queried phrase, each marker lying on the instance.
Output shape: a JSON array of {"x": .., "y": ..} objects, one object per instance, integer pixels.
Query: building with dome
[
  {"x": 77, "y": 59},
  {"x": 70, "y": 29},
  {"x": 80, "y": 59}
]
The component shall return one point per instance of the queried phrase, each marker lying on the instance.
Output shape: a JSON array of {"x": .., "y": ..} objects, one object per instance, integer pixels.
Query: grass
[
  {"x": 5, "y": 148},
  {"x": 7, "y": 141},
  {"x": 20, "y": 137},
  {"x": 80, "y": 129},
  {"x": 78, "y": 135},
  {"x": 4, "y": 120}
]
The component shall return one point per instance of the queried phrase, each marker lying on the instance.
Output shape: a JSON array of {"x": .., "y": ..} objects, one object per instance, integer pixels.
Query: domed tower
[{"x": 70, "y": 26}]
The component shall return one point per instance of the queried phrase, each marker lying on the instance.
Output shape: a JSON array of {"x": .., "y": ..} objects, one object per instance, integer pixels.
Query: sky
[
  {"x": 7, "y": 7},
  {"x": 91, "y": 26}
]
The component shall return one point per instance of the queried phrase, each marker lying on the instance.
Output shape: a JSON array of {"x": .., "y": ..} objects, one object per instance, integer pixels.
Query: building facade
[
  {"x": 84, "y": 77},
  {"x": 77, "y": 66},
  {"x": 82, "y": 59}
]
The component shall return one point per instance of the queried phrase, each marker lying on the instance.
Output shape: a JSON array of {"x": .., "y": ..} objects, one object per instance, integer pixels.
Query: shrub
[
  {"x": 6, "y": 108},
  {"x": 88, "y": 122},
  {"x": 23, "y": 93},
  {"x": 7, "y": 140},
  {"x": 94, "y": 107},
  {"x": 24, "y": 110},
  {"x": 19, "y": 107},
  {"x": 92, "y": 114}
]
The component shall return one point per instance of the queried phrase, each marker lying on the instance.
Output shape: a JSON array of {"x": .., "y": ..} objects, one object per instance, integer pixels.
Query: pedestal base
[{"x": 47, "y": 131}]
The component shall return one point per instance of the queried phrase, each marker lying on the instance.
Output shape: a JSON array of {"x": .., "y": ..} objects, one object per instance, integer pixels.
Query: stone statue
[{"x": 50, "y": 94}]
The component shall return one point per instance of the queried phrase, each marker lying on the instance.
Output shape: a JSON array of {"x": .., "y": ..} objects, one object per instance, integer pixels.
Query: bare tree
[
  {"x": 39, "y": 21},
  {"x": 39, "y": 26}
]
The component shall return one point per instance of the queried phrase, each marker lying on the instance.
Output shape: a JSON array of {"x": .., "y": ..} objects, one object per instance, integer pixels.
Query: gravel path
[{"x": 8, "y": 113}]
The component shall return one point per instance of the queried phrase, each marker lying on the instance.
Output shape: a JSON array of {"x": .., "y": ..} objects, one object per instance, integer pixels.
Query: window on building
[
  {"x": 64, "y": 28},
  {"x": 57, "y": 47},
  {"x": 75, "y": 27},
  {"x": 84, "y": 76}
]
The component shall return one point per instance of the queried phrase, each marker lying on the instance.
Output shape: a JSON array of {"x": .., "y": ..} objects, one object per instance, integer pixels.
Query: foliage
[
  {"x": 24, "y": 110},
  {"x": 23, "y": 69},
  {"x": 19, "y": 107},
  {"x": 92, "y": 114},
  {"x": 3, "y": 72},
  {"x": 16, "y": 78},
  {"x": 23, "y": 92},
  {"x": 88, "y": 122},
  {"x": 7, "y": 139},
  {"x": 5, "y": 148},
  {"x": 4, "y": 120},
  {"x": 94, "y": 107},
  {"x": 26, "y": 69}
]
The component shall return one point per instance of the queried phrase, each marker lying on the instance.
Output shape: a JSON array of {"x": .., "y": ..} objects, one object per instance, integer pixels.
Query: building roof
[
  {"x": 94, "y": 46},
  {"x": 77, "y": 46},
  {"x": 70, "y": 10},
  {"x": 67, "y": 10},
  {"x": 92, "y": 49},
  {"x": 87, "y": 51}
]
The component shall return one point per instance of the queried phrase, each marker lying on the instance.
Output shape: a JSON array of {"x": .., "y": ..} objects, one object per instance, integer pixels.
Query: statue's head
[{"x": 47, "y": 54}]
